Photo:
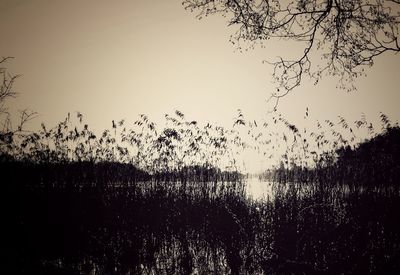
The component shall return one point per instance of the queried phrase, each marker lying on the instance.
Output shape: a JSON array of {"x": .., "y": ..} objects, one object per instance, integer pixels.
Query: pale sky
[{"x": 117, "y": 59}]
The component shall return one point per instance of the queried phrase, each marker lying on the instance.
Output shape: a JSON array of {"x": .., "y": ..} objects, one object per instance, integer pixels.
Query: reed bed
[
  {"x": 166, "y": 229},
  {"x": 173, "y": 201}
]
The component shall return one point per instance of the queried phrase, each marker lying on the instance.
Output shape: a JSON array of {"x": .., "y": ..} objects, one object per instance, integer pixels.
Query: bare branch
[{"x": 348, "y": 35}]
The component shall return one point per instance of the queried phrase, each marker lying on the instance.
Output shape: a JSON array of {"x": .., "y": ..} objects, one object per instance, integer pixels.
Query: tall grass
[
  {"x": 171, "y": 200},
  {"x": 162, "y": 229},
  {"x": 171, "y": 149}
]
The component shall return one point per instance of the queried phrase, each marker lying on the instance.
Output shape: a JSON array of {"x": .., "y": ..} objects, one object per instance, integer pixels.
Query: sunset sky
[{"x": 117, "y": 59}]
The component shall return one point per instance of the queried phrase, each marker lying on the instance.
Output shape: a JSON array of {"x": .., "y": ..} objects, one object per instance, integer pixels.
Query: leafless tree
[
  {"x": 337, "y": 37},
  {"x": 6, "y": 91},
  {"x": 7, "y": 80}
]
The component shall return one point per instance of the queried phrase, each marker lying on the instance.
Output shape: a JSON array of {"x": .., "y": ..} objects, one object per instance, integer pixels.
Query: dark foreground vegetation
[
  {"x": 158, "y": 227},
  {"x": 173, "y": 201}
]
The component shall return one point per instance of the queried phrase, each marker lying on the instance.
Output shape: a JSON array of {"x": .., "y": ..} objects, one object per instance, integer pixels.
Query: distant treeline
[
  {"x": 373, "y": 162},
  {"x": 72, "y": 175},
  {"x": 102, "y": 174},
  {"x": 199, "y": 174}
]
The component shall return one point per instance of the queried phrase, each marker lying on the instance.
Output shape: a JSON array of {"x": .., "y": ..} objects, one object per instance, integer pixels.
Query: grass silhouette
[{"x": 172, "y": 200}]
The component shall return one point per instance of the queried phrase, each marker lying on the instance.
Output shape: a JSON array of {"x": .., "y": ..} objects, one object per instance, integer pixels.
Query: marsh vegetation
[{"x": 176, "y": 200}]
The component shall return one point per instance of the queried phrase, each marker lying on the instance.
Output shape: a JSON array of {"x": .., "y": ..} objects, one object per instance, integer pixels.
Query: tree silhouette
[
  {"x": 7, "y": 132},
  {"x": 346, "y": 35},
  {"x": 6, "y": 85}
]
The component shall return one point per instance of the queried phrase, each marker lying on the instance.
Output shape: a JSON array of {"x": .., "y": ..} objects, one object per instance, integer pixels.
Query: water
[{"x": 259, "y": 190}]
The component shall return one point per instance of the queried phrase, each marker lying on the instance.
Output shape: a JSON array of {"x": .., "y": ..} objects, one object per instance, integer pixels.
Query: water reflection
[{"x": 257, "y": 189}]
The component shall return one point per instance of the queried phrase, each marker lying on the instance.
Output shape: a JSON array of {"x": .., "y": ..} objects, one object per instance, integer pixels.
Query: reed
[
  {"x": 172, "y": 200},
  {"x": 162, "y": 228}
]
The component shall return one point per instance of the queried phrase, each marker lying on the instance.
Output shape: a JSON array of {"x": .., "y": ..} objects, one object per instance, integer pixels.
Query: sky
[{"x": 117, "y": 59}]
